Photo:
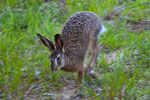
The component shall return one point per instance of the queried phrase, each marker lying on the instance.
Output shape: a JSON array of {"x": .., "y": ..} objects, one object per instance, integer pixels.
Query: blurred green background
[{"x": 123, "y": 66}]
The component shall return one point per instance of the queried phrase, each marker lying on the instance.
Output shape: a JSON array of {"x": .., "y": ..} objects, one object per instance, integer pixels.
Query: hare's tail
[{"x": 103, "y": 30}]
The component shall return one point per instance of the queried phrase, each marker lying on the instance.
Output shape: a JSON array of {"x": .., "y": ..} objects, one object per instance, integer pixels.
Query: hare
[{"x": 78, "y": 36}]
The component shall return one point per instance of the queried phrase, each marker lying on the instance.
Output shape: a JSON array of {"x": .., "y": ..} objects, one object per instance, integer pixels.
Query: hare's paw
[
  {"x": 87, "y": 70},
  {"x": 90, "y": 72}
]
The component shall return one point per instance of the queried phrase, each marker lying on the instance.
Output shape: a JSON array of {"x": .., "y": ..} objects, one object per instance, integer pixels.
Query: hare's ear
[
  {"x": 58, "y": 42},
  {"x": 48, "y": 43}
]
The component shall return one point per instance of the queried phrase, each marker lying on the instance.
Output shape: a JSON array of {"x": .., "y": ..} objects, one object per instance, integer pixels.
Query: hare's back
[{"x": 81, "y": 23}]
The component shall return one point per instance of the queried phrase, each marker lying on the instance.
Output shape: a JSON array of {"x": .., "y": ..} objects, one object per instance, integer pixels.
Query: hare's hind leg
[{"x": 94, "y": 54}]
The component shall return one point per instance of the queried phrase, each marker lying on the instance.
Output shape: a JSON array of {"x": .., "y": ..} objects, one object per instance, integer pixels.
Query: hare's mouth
[{"x": 56, "y": 68}]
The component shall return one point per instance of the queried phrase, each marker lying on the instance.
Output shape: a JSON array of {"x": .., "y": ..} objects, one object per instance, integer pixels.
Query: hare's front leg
[
  {"x": 94, "y": 54},
  {"x": 81, "y": 75}
]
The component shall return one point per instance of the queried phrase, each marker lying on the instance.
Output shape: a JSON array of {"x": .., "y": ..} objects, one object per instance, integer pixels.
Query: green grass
[{"x": 127, "y": 77}]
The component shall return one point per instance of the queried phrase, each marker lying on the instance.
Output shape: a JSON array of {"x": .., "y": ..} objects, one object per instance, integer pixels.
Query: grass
[{"x": 123, "y": 77}]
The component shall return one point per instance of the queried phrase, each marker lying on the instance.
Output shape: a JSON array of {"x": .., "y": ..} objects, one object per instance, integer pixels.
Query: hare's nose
[{"x": 54, "y": 68}]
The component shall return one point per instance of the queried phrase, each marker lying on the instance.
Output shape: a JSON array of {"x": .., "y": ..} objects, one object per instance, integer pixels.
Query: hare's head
[{"x": 57, "y": 57}]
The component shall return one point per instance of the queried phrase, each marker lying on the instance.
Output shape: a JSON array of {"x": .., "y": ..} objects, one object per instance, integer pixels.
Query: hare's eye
[{"x": 58, "y": 58}]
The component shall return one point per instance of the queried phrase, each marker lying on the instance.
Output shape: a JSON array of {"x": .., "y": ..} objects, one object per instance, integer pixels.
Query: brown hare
[{"x": 79, "y": 35}]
